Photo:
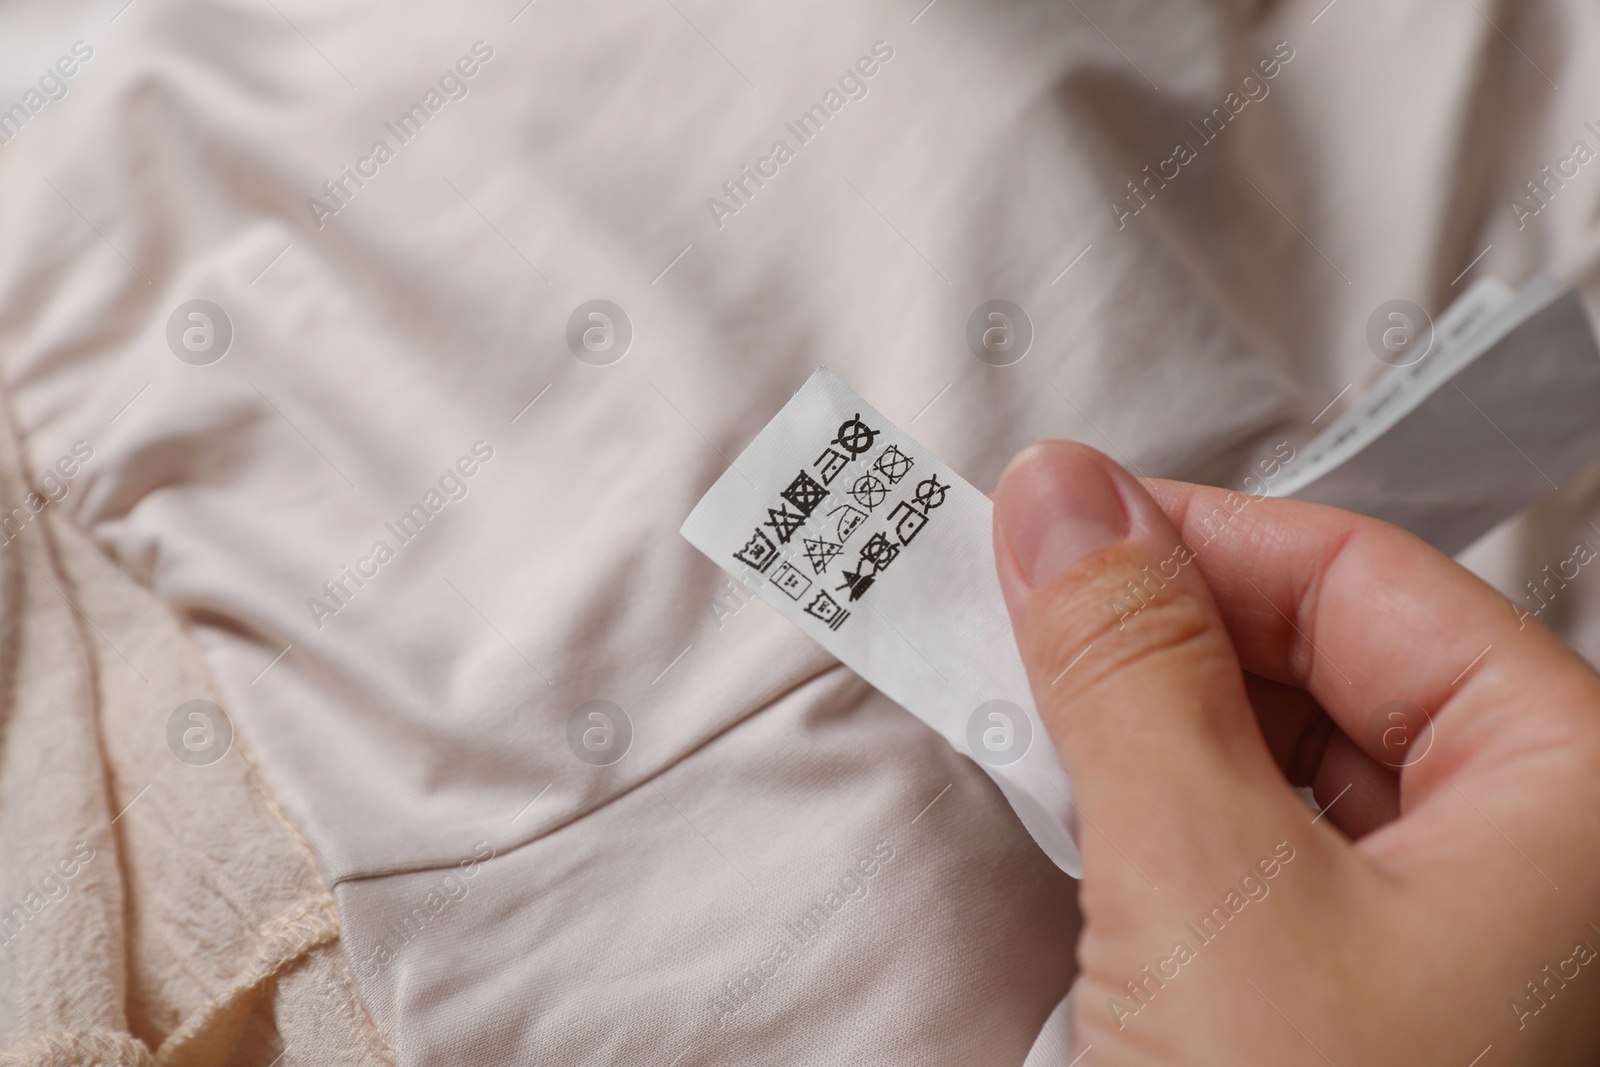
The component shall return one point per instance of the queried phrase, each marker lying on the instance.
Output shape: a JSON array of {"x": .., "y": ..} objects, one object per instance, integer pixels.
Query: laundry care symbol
[
  {"x": 789, "y": 579},
  {"x": 876, "y": 555},
  {"x": 908, "y": 518},
  {"x": 758, "y": 552},
  {"x": 820, "y": 552},
  {"x": 829, "y": 464},
  {"x": 805, "y": 493},
  {"x": 893, "y": 464},
  {"x": 784, "y": 522},
  {"x": 825, "y": 608},
  {"x": 868, "y": 491},
  {"x": 930, "y": 493},
  {"x": 908, "y": 521},
  {"x": 849, "y": 521},
  {"x": 855, "y": 436}
]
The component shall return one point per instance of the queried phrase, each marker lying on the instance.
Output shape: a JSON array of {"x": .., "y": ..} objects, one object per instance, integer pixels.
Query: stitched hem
[
  {"x": 281, "y": 941},
  {"x": 436, "y": 864}
]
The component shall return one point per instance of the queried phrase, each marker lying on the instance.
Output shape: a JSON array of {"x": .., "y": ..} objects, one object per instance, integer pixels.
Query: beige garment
[
  {"x": 623, "y": 900},
  {"x": 151, "y": 911}
]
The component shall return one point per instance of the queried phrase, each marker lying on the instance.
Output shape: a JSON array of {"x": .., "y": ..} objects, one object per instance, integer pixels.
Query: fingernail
[{"x": 1057, "y": 506}]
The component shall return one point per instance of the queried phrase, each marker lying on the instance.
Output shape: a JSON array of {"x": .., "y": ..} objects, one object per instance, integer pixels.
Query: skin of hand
[{"x": 1445, "y": 908}]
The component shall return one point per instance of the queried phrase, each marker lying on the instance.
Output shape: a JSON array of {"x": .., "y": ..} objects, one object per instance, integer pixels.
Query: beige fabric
[
  {"x": 429, "y": 716},
  {"x": 658, "y": 919},
  {"x": 154, "y": 912}
]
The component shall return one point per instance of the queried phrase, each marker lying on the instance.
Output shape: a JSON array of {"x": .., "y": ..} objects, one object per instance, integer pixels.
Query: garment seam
[{"x": 424, "y": 866}]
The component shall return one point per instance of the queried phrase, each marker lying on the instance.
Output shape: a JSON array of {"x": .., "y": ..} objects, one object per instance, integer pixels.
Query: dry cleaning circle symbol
[
  {"x": 998, "y": 733},
  {"x": 868, "y": 491},
  {"x": 599, "y": 733},
  {"x": 999, "y": 333},
  {"x": 930, "y": 493},
  {"x": 855, "y": 436},
  {"x": 599, "y": 333},
  {"x": 1399, "y": 333},
  {"x": 199, "y": 733},
  {"x": 199, "y": 332}
]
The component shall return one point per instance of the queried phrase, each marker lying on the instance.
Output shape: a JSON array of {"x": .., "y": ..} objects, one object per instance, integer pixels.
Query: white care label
[
  {"x": 883, "y": 555},
  {"x": 1500, "y": 407}
]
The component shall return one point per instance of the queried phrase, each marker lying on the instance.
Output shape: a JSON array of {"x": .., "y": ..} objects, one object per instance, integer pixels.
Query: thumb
[{"x": 1133, "y": 671}]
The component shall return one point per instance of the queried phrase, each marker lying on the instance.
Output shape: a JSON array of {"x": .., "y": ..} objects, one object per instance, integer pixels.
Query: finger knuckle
[
  {"x": 1172, "y": 623},
  {"x": 1165, "y": 621}
]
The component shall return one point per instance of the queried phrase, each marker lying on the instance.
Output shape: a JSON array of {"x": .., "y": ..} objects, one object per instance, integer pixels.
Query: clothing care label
[
  {"x": 1496, "y": 406},
  {"x": 881, "y": 553},
  {"x": 884, "y": 556}
]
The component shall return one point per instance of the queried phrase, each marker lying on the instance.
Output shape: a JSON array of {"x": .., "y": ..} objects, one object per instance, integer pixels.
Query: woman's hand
[{"x": 1224, "y": 922}]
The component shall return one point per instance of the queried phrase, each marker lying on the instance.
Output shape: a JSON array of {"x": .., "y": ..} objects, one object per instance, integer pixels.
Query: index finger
[{"x": 1363, "y": 615}]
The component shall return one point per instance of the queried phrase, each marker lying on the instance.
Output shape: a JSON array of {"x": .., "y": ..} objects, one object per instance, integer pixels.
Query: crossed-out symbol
[
  {"x": 879, "y": 552},
  {"x": 893, "y": 464},
  {"x": 868, "y": 491},
  {"x": 930, "y": 493},
  {"x": 855, "y": 436}
]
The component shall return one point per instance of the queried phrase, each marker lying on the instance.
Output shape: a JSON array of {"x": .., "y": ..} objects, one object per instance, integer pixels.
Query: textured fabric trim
[
  {"x": 91, "y": 1048},
  {"x": 282, "y": 941}
]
